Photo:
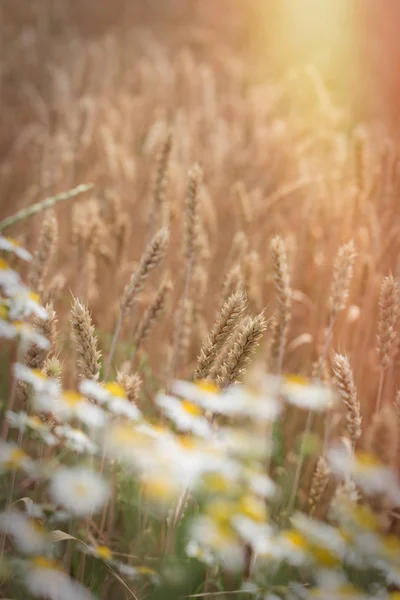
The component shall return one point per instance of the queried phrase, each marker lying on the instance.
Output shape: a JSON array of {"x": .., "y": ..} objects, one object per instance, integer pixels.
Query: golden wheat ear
[{"x": 88, "y": 355}]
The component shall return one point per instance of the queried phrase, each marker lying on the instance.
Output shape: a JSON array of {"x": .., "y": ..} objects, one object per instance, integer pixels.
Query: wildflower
[
  {"x": 24, "y": 332},
  {"x": 10, "y": 245},
  {"x": 14, "y": 458},
  {"x": 37, "y": 379},
  {"x": 186, "y": 415},
  {"x": 68, "y": 405},
  {"x": 10, "y": 281},
  {"x": 244, "y": 443},
  {"x": 133, "y": 572},
  {"x": 75, "y": 439},
  {"x": 257, "y": 535},
  {"x": 79, "y": 490},
  {"x": 301, "y": 392},
  {"x": 44, "y": 577},
  {"x": 27, "y": 534},
  {"x": 113, "y": 396},
  {"x": 366, "y": 470},
  {"x": 320, "y": 534},
  {"x": 291, "y": 546},
  {"x": 99, "y": 551},
  {"x": 220, "y": 538},
  {"x": 22, "y": 421},
  {"x": 26, "y": 303}
]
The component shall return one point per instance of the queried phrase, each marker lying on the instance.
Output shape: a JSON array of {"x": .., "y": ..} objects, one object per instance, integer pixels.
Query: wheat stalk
[
  {"x": 389, "y": 311},
  {"x": 243, "y": 346},
  {"x": 88, "y": 360},
  {"x": 131, "y": 382},
  {"x": 229, "y": 317},
  {"x": 342, "y": 275},
  {"x": 44, "y": 253},
  {"x": 382, "y": 436},
  {"x": 319, "y": 484},
  {"x": 283, "y": 295},
  {"x": 151, "y": 315},
  {"x": 343, "y": 376},
  {"x": 159, "y": 204}
]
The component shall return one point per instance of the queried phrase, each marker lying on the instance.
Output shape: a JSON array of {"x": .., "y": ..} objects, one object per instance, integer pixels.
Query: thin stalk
[
  {"x": 39, "y": 207},
  {"x": 380, "y": 390},
  {"x": 117, "y": 331}
]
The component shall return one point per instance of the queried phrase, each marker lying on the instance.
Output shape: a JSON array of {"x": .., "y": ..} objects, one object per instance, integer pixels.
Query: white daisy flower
[
  {"x": 10, "y": 245},
  {"x": 102, "y": 393},
  {"x": 45, "y": 578},
  {"x": 132, "y": 572},
  {"x": 99, "y": 551},
  {"x": 319, "y": 533},
  {"x": 68, "y": 405},
  {"x": 24, "y": 332},
  {"x": 257, "y": 535},
  {"x": 27, "y": 535},
  {"x": 260, "y": 484},
  {"x": 243, "y": 442},
  {"x": 200, "y": 392},
  {"x": 79, "y": 490},
  {"x": 26, "y": 303},
  {"x": 10, "y": 281},
  {"x": 75, "y": 439},
  {"x": 222, "y": 540},
  {"x": 366, "y": 470},
  {"x": 186, "y": 415},
  {"x": 122, "y": 407},
  {"x": 22, "y": 421},
  {"x": 241, "y": 401},
  {"x": 301, "y": 392},
  {"x": 12, "y": 457}
]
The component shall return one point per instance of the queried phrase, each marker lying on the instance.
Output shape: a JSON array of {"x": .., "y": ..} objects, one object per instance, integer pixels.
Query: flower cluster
[{"x": 199, "y": 468}]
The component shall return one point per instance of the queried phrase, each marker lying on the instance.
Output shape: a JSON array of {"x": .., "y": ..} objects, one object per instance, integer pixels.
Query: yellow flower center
[
  {"x": 4, "y": 266},
  {"x": 4, "y": 310},
  {"x": 35, "y": 297},
  {"x": 115, "y": 389},
  {"x": 366, "y": 461},
  {"x": 253, "y": 508},
  {"x": 80, "y": 490},
  {"x": 294, "y": 379},
  {"x": 221, "y": 511},
  {"x": 191, "y": 408},
  {"x": 186, "y": 441},
  {"x": 42, "y": 562},
  {"x": 12, "y": 241},
  {"x": 296, "y": 539},
  {"x": 215, "y": 482},
  {"x": 366, "y": 518},
  {"x": 145, "y": 570},
  {"x": 324, "y": 557},
  {"x": 159, "y": 490},
  {"x": 72, "y": 398},
  {"x": 17, "y": 455},
  {"x": 103, "y": 552},
  {"x": 38, "y": 374},
  {"x": 207, "y": 386}
]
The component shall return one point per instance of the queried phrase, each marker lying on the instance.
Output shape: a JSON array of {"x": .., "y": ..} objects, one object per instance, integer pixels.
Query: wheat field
[{"x": 233, "y": 225}]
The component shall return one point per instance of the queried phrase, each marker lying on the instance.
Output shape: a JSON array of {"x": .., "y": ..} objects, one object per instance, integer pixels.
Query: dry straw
[
  {"x": 243, "y": 346},
  {"x": 231, "y": 314},
  {"x": 44, "y": 253},
  {"x": 88, "y": 355},
  {"x": 343, "y": 377},
  {"x": 283, "y": 295},
  {"x": 192, "y": 214}
]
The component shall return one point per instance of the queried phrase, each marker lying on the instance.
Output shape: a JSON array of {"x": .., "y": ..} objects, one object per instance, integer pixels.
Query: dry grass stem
[
  {"x": 382, "y": 436},
  {"x": 159, "y": 204}
]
